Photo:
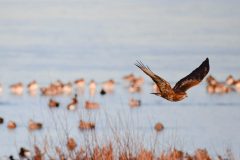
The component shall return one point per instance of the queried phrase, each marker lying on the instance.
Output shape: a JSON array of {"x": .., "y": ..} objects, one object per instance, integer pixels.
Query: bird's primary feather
[
  {"x": 194, "y": 78},
  {"x": 163, "y": 85}
]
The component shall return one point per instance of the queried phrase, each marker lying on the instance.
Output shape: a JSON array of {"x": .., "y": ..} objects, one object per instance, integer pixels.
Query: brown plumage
[
  {"x": 24, "y": 153},
  {"x": 1, "y": 120},
  {"x": 178, "y": 92},
  {"x": 71, "y": 144},
  {"x": 86, "y": 125},
  {"x": 158, "y": 126},
  {"x": 11, "y": 125},
  {"x": 53, "y": 104},
  {"x": 32, "y": 125}
]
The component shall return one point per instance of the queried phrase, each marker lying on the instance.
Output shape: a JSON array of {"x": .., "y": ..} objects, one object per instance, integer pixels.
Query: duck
[
  {"x": 158, "y": 126},
  {"x": 137, "y": 81},
  {"x": 74, "y": 99},
  {"x": 210, "y": 89},
  {"x": 237, "y": 85},
  {"x": 134, "y": 102},
  {"x": 103, "y": 92},
  {"x": 11, "y": 125},
  {"x": 129, "y": 77},
  {"x": 214, "y": 86},
  {"x": 17, "y": 88},
  {"x": 57, "y": 86},
  {"x": 71, "y": 144},
  {"x": 230, "y": 80},
  {"x": 67, "y": 88},
  {"x": 24, "y": 153},
  {"x": 134, "y": 89},
  {"x": 72, "y": 106},
  {"x": 109, "y": 85},
  {"x": 221, "y": 88},
  {"x": 211, "y": 80},
  {"x": 48, "y": 91},
  {"x": 91, "y": 105},
  {"x": 53, "y": 89},
  {"x": 1, "y": 120},
  {"x": 53, "y": 104},
  {"x": 32, "y": 86},
  {"x": 92, "y": 87},
  {"x": 38, "y": 155},
  {"x": 80, "y": 83},
  {"x": 57, "y": 83},
  {"x": 32, "y": 125},
  {"x": 11, "y": 157},
  {"x": 86, "y": 125}
]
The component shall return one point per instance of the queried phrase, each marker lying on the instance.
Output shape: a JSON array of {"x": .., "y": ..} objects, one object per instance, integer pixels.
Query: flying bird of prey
[{"x": 178, "y": 92}]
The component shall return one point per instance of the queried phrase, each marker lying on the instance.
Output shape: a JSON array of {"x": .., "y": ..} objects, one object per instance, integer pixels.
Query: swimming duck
[
  {"x": 32, "y": 125},
  {"x": 11, "y": 125},
  {"x": 103, "y": 92},
  {"x": 158, "y": 127},
  {"x": 24, "y": 153},
  {"x": 86, "y": 125},
  {"x": 17, "y": 88},
  {"x": 80, "y": 83},
  {"x": 92, "y": 87},
  {"x": 134, "y": 102},
  {"x": 32, "y": 86},
  {"x": 53, "y": 104},
  {"x": 1, "y": 120},
  {"x": 134, "y": 89},
  {"x": 230, "y": 80},
  {"x": 108, "y": 85},
  {"x": 67, "y": 88},
  {"x": 129, "y": 77},
  {"x": 71, "y": 144},
  {"x": 91, "y": 105},
  {"x": 72, "y": 106}
]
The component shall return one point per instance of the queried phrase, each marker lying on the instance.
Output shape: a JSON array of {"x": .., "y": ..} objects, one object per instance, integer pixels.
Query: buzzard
[{"x": 178, "y": 92}]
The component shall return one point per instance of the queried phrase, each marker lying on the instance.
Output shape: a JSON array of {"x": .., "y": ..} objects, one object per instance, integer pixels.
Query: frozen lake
[{"x": 50, "y": 40}]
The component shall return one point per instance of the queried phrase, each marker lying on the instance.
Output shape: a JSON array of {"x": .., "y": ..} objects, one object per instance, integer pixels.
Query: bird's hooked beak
[{"x": 157, "y": 94}]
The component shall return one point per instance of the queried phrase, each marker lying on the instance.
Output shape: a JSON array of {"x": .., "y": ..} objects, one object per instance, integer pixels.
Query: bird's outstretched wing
[
  {"x": 194, "y": 78},
  {"x": 164, "y": 86}
]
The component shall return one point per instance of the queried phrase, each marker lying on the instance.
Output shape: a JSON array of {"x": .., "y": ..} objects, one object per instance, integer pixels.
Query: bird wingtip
[
  {"x": 207, "y": 59},
  {"x": 138, "y": 63}
]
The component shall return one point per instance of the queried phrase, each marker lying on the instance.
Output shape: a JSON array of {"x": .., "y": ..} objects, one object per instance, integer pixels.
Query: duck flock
[
  {"x": 134, "y": 84},
  {"x": 229, "y": 85},
  {"x": 58, "y": 88},
  {"x": 75, "y": 89}
]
